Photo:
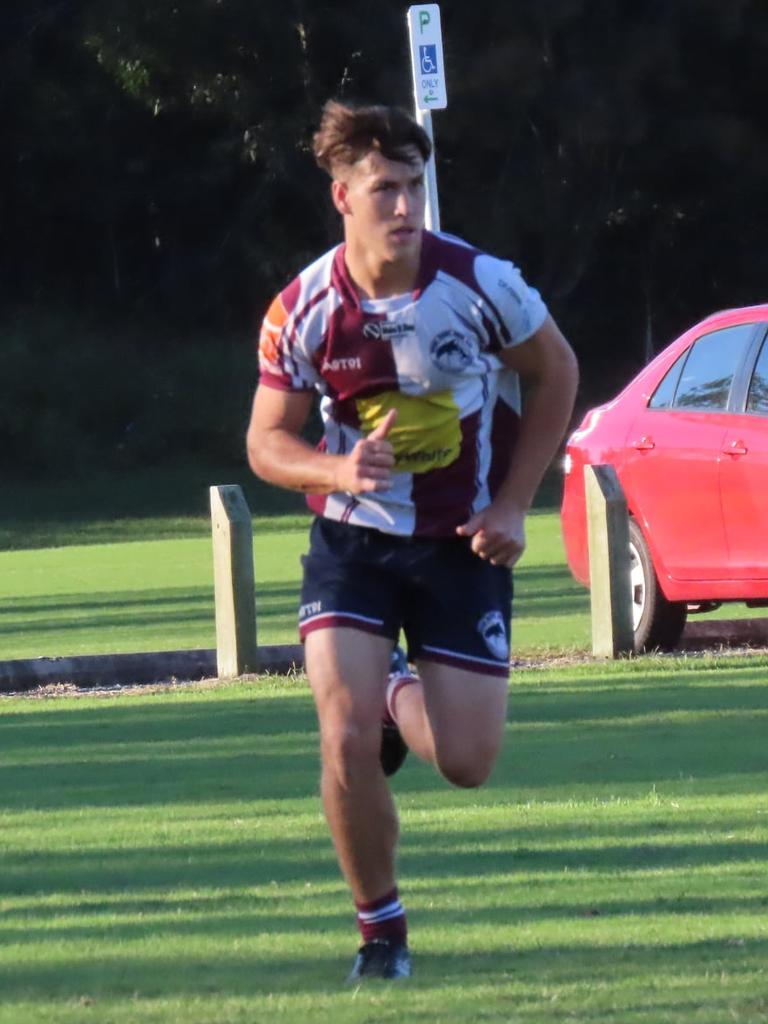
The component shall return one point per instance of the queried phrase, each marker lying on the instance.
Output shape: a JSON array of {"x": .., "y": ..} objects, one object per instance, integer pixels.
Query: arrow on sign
[{"x": 430, "y": 99}]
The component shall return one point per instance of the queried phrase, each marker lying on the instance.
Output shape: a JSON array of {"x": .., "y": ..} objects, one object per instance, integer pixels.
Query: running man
[{"x": 420, "y": 488}]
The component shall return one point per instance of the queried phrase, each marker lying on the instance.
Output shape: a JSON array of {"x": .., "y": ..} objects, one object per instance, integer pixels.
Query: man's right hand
[{"x": 368, "y": 467}]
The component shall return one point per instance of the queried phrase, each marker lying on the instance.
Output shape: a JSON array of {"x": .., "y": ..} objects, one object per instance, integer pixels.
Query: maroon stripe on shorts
[
  {"x": 338, "y": 620},
  {"x": 467, "y": 662}
]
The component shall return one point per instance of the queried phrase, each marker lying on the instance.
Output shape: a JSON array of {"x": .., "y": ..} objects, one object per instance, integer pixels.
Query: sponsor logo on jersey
[
  {"x": 436, "y": 456},
  {"x": 491, "y": 629},
  {"x": 334, "y": 365},
  {"x": 427, "y": 432},
  {"x": 452, "y": 351},
  {"x": 387, "y": 330}
]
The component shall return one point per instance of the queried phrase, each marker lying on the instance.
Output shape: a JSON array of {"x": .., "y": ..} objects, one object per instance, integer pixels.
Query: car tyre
[{"x": 658, "y": 623}]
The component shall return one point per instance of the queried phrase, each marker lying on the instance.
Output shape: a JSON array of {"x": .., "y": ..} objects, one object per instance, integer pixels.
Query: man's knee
[
  {"x": 350, "y": 750},
  {"x": 466, "y": 772}
]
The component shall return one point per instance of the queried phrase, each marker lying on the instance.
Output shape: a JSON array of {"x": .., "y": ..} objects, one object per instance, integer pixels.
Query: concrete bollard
[
  {"x": 236, "y": 647},
  {"x": 609, "y": 567}
]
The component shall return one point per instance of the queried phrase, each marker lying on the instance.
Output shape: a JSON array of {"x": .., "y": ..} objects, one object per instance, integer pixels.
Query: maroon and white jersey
[{"x": 432, "y": 354}]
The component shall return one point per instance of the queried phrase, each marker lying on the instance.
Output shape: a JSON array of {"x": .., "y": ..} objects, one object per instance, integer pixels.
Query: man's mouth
[{"x": 402, "y": 234}]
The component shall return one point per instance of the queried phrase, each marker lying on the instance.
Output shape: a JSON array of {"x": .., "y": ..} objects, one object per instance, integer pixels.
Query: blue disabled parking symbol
[{"x": 428, "y": 60}]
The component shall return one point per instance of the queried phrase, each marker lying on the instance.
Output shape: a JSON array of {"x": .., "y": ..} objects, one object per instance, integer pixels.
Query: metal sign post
[{"x": 429, "y": 92}]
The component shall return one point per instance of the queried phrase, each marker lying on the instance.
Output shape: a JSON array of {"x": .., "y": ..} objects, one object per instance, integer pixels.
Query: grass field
[
  {"x": 164, "y": 859},
  {"x": 123, "y": 563},
  {"x": 158, "y": 594}
]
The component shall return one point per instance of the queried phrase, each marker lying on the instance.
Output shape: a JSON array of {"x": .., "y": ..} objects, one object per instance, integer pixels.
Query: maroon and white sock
[
  {"x": 382, "y": 919},
  {"x": 394, "y": 686}
]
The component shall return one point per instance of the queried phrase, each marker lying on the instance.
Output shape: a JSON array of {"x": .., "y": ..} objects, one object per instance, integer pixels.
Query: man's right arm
[{"x": 278, "y": 454}]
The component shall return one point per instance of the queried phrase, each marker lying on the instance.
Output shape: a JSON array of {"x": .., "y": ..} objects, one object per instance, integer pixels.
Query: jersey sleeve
[
  {"x": 520, "y": 308},
  {"x": 283, "y": 363}
]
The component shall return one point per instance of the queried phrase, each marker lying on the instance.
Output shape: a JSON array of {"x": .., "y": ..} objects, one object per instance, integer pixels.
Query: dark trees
[{"x": 155, "y": 168}]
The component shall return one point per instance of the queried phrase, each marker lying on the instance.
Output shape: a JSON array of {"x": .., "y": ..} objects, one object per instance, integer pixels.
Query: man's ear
[{"x": 339, "y": 190}]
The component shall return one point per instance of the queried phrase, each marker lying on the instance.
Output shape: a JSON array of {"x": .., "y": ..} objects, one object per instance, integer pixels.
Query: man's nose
[{"x": 403, "y": 204}]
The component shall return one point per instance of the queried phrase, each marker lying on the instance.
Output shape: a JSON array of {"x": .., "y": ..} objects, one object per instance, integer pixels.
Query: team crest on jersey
[
  {"x": 491, "y": 628},
  {"x": 452, "y": 351},
  {"x": 387, "y": 330}
]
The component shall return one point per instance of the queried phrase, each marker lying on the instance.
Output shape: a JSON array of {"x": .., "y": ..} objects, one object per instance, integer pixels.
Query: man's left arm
[{"x": 547, "y": 368}]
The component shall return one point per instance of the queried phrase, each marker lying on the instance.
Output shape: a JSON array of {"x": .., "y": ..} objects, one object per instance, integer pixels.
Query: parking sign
[{"x": 427, "y": 64}]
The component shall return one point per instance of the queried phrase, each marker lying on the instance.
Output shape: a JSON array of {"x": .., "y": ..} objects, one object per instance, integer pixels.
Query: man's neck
[{"x": 375, "y": 279}]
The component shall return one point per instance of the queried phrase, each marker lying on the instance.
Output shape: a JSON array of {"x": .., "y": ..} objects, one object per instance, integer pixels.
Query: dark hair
[{"x": 346, "y": 134}]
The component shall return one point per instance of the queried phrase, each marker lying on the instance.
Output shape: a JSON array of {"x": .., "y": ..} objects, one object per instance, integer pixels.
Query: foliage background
[{"x": 156, "y": 189}]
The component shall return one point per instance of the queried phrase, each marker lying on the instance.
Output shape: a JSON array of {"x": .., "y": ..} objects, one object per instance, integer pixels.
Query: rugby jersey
[{"x": 433, "y": 354}]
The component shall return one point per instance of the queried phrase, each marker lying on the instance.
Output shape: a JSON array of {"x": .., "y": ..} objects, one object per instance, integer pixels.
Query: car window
[
  {"x": 705, "y": 381},
  {"x": 757, "y": 398},
  {"x": 665, "y": 392}
]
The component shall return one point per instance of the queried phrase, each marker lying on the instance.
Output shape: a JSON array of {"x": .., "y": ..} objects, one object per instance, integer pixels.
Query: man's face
[{"x": 382, "y": 202}]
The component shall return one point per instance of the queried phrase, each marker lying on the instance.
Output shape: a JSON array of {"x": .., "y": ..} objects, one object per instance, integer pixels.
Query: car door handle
[
  {"x": 736, "y": 448},
  {"x": 645, "y": 444}
]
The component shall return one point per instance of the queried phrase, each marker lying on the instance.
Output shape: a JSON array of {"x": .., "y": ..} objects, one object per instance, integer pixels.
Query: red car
[{"x": 689, "y": 440}]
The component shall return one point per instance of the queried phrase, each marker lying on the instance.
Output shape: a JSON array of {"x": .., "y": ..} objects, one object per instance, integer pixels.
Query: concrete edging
[
  {"x": 705, "y": 633},
  {"x": 138, "y": 669},
  {"x": 189, "y": 666}
]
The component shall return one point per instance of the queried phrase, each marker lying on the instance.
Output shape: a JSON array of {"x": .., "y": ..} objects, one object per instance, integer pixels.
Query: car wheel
[{"x": 658, "y": 623}]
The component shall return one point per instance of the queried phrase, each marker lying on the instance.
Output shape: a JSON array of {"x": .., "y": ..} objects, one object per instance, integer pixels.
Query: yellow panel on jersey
[{"x": 427, "y": 432}]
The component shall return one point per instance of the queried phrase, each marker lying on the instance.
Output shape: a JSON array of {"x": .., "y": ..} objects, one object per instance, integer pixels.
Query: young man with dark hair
[{"x": 415, "y": 343}]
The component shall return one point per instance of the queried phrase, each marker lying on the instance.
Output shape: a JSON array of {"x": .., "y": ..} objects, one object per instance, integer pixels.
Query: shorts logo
[
  {"x": 310, "y": 609},
  {"x": 491, "y": 628},
  {"x": 387, "y": 330},
  {"x": 452, "y": 351}
]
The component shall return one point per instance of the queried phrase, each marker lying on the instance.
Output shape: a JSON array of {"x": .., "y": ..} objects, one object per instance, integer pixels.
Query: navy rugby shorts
[{"x": 453, "y": 607}]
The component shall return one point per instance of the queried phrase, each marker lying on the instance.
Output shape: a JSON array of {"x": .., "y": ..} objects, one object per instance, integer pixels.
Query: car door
[
  {"x": 671, "y": 473},
  {"x": 744, "y": 478}
]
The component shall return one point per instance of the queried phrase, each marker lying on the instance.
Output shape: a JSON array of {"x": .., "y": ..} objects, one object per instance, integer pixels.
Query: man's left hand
[{"x": 498, "y": 535}]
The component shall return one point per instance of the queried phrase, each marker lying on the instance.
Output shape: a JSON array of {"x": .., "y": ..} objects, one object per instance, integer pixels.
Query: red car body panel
[
  {"x": 695, "y": 481},
  {"x": 744, "y": 490},
  {"x": 680, "y": 472}
]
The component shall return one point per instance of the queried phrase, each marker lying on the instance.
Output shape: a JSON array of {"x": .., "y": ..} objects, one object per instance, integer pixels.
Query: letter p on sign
[{"x": 427, "y": 66}]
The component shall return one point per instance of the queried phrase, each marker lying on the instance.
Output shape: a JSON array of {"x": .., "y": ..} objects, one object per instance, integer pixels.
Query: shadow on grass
[
  {"x": 199, "y": 761},
  {"x": 134, "y": 608},
  {"x": 638, "y": 693},
  {"x": 112, "y": 600},
  {"x": 304, "y": 859},
  {"x": 222, "y": 918},
  {"x": 194, "y": 974},
  {"x": 155, "y": 750},
  {"x": 538, "y": 586}
]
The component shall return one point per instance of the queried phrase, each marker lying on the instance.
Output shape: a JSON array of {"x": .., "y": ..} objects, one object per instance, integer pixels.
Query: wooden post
[
  {"x": 609, "y": 570},
  {"x": 236, "y": 650}
]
